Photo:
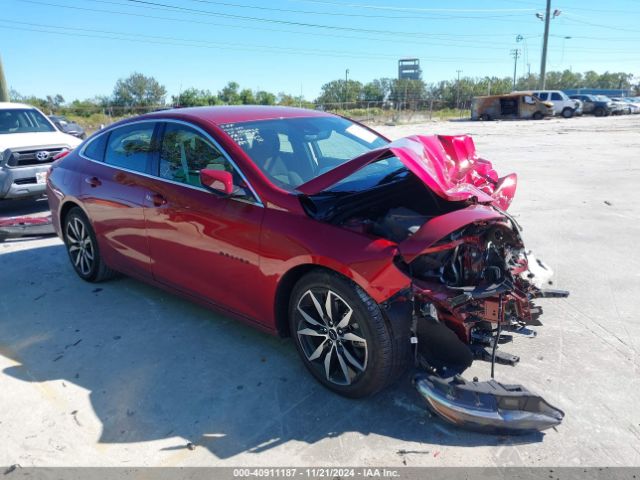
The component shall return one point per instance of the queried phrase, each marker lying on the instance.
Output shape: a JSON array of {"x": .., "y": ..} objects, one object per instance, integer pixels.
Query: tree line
[
  {"x": 454, "y": 93},
  {"x": 138, "y": 93}
]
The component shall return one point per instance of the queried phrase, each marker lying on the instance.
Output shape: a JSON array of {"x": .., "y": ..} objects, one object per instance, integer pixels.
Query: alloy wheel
[
  {"x": 330, "y": 337},
  {"x": 80, "y": 245}
]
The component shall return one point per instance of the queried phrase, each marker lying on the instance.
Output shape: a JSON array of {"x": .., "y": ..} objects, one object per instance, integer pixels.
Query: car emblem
[{"x": 42, "y": 155}]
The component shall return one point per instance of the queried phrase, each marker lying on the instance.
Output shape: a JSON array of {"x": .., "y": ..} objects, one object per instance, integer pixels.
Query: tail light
[
  {"x": 61, "y": 155},
  {"x": 56, "y": 160}
]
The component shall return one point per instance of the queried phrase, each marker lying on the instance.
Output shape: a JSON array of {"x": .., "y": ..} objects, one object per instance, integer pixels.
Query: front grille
[
  {"x": 24, "y": 158},
  {"x": 25, "y": 181}
]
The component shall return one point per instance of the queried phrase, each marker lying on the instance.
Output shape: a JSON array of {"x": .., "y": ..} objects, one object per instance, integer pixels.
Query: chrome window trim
[{"x": 257, "y": 202}]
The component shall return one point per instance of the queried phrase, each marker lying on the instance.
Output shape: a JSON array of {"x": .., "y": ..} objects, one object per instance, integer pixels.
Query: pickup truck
[{"x": 28, "y": 144}]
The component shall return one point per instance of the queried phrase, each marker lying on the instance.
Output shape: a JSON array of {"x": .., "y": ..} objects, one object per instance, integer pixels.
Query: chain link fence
[{"x": 383, "y": 112}]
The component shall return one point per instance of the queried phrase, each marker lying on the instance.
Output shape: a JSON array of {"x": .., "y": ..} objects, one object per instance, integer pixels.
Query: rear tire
[
  {"x": 82, "y": 247},
  {"x": 342, "y": 336},
  {"x": 567, "y": 112}
]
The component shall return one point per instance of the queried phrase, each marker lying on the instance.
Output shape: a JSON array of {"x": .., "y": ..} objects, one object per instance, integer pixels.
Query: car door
[
  {"x": 558, "y": 102},
  {"x": 114, "y": 187},
  {"x": 203, "y": 242}
]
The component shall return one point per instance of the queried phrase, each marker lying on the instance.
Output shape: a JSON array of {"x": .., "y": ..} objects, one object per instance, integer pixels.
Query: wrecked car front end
[{"x": 472, "y": 284}]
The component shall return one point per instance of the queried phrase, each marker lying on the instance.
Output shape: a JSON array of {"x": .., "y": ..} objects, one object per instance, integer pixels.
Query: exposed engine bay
[{"x": 473, "y": 282}]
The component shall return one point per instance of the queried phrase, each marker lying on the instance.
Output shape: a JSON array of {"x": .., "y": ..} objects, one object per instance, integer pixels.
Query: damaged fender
[{"x": 473, "y": 283}]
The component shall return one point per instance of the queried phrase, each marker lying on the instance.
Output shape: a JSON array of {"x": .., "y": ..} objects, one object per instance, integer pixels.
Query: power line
[
  {"x": 570, "y": 17},
  {"x": 93, "y": 10},
  {"x": 154, "y": 39},
  {"x": 415, "y": 9},
  {"x": 459, "y": 43},
  {"x": 360, "y": 15},
  {"x": 170, "y": 7}
]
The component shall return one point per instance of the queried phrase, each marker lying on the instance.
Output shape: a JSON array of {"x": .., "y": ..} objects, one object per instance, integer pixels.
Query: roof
[
  {"x": 502, "y": 95},
  {"x": 8, "y": 105},
  {"x": 237, "y": 113}
]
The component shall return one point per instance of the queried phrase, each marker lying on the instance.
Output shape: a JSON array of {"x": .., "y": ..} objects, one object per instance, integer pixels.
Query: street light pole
[
  {"x": 458, "y": 90},
  {"x": 564, "y": 39},
  {"x": 516, "y": 54},
  {"x": 346, "y": 82}
]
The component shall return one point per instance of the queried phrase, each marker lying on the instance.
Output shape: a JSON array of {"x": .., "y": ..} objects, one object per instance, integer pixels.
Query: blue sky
[{"x": 79, "y": 48}]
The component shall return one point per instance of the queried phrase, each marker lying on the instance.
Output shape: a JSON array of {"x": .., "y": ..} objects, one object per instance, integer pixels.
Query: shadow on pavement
[{"x": 158, "y": 367}]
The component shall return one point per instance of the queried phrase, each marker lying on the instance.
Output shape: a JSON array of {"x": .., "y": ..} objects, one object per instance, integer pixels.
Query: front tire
[
  {"x": 82, "y": 247},
  {"x": 567, "y": 113},
  {"x": 342, "y": 336}
]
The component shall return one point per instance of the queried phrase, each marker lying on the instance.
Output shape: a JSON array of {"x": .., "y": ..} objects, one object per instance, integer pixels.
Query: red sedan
[{"x": 371, "y": 254}]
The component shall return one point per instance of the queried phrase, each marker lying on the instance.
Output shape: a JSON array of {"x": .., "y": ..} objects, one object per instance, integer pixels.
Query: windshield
[
  {"x": 23, "y": 120},
  {"x": 292, "y": 151},
  {"x": 602, "y": 98}
]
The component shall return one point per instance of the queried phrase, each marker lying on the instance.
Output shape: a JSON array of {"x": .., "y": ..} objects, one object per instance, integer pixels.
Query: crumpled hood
[
  {"x": 448, "y": 165},
  {"x": 36, "y": 139}
]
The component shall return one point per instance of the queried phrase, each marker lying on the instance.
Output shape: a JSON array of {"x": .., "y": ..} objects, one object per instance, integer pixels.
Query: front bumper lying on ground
[{"x": 489, "y": 407}]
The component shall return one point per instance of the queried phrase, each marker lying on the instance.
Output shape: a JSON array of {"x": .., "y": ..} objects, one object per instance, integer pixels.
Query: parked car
[
  {"x": 67, "y": 126},
  {"x": 593, "y": 105},
  {"x": 522, "y": 105},
  {"x": 634, "y": 107},
  {"x": 562, "y": 104},
  {"x": 617, "y": 107},
  {"x": 305, "y": 224},
  {"x": 28, "y": 144}
]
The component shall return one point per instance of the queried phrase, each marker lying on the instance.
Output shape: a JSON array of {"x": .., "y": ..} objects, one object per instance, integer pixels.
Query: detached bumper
[
  {"x": 488, "y": 407},
  {"x": 27, "y": 226}
]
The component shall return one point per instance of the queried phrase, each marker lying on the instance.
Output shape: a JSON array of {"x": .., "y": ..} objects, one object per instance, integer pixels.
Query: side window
[
  {"x": 95, "y": 149},
  {"x": 184, "y": 152},
  {"x": 528, "y": 99},
  {"x": 131, "y": 147},
  {"x": 556, "y": 96}
]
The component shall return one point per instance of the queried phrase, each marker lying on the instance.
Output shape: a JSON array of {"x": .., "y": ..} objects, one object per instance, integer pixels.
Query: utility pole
[
  {"x": 4, "y": 88},
  {"x": 516, "y": 53},
  {"x": 346, "y": 83},
  {"x": 458, "y": 89},
  {"x": 545, "y": 41}
]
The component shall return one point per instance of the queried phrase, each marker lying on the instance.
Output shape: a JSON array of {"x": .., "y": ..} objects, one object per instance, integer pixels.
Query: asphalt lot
[{"x": 124, "y": 374}]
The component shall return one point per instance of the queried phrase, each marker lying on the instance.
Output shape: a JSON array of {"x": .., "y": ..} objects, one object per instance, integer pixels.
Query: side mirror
[{"x": 219, "y": 180}]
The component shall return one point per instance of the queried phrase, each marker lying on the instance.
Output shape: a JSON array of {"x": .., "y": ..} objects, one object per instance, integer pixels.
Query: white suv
[
  {"x": 562, "y": 104},
  {"x": 28, "y": 143}
]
